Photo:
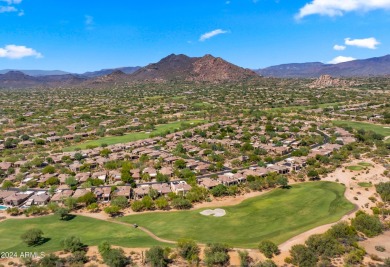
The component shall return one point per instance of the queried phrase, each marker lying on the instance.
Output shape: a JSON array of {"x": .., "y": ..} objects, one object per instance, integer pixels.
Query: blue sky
[{"x": 86, "y": 35}]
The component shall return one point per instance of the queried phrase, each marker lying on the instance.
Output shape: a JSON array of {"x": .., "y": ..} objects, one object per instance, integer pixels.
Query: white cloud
[
  {"x": 89, "y": 22},
  {"x": 10, "y": 7},
  {"x": 18, "y": 51},
  {"x": 211, "y": 34},
  {"x": 339, "y": 47},
  {"x": 5, "y": 9},
  {"x": 370, "y": 43},
  {"x": 12, "y": 2},
  {"x": 341, "y": 59},
  {"x": 339, "y": 7}
]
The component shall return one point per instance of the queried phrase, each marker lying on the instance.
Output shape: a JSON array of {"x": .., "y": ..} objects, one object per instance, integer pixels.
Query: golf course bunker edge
[{"x": 215, "y": 212}]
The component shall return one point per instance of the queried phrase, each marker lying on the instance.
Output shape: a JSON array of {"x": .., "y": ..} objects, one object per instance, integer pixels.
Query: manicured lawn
[
  {"x": 303, "y": 107},
  {"x": 365, "y": 164},
  {"x": 111, "y": 140},
  {"x": 277, "y": 216},
  {"x": 91, "y": 232},
  {"x": 355, "y": 168},
  {"x": 379, "y": 129},
  {"x": 364, "y": 184}
]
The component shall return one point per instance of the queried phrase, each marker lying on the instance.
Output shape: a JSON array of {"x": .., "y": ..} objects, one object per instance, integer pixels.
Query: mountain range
[
  {"x": 183, "y": 68},
  {"x": 376, "y": 66}
]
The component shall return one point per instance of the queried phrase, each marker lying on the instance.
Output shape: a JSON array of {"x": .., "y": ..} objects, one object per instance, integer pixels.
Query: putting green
[
  {"x": 90, "y": 231},
  {"x": 277, "y": 216},
  {"x": 355, "y": 168},
  {"x": 364, "y": 184}
]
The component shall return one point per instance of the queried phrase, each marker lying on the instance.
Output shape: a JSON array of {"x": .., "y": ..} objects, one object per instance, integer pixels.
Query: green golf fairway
[
  {"x": 277, "y": 216},
  {"x": 90, "y": 231}
]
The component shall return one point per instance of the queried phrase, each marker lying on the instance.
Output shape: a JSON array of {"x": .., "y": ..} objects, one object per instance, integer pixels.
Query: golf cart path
[{"x": 143, "y": 229}]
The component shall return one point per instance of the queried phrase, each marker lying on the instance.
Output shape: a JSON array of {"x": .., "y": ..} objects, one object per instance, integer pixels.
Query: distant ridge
[
  {"x": 182, "y": 68},
  {"x": 126, "y": 70},
  {"x": 377, "y": 66},
  {"x": 195, "y": 69},
  {"x": 37, "y": 73},
  {"x": 17, "y": 79}
]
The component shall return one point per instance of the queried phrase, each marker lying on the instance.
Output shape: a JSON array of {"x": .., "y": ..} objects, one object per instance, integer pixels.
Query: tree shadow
[
  {"x": 286, "y": 187},
  {"x": 68, "y": 217},
  {"x": 42, "y": 241}
]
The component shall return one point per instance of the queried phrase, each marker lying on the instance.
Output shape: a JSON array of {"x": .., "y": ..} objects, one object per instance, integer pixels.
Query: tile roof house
[
  {"x": 162, "y": 189},
  {"x": 180, "y": 187},
  {"x": 102, "y": 193},
  {"x": 140, "y": 192},
  {"x": 16, "y": 199},
  {"x": 124, "y": 190},
  {"x": 80, "y": 192},
  {"x": 38, "y": 199},
  {"x": 208, "y": 183},
  {"x": 61, "y": 195}
]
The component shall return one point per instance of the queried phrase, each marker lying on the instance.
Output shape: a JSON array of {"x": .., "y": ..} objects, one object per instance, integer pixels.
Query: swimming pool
[{"x": 3, "y": 207}]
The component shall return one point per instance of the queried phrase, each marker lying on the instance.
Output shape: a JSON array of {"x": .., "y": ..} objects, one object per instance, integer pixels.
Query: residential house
[
  {"x": 102, "y": 193},
  {"x": 141, "y": 191},
  {"x": 162, "y": 189},
  {"x": 60, "y": 195},
  {"x": 180, "y": 187},
  {"x": 208, "y": 183}
]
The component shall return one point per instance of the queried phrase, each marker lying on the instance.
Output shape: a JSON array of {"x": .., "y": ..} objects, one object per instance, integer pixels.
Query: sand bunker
[{"x": 215, "y": 213}]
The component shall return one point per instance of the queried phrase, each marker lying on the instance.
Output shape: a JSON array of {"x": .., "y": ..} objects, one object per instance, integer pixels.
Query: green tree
[
  {"x": 283, "y": 181},
  {"x": 71, "y": 181},
  {"x": 70, "y": 203},
  {"x": 161, "y": 178},
  {"x": 155, "y": 257},
  {"x": 71, "y": 244},
  {"x": 189, "y": 250},
  {"x": 244, "y": 258},
  {"x": 148, "y": 203},
  {"x": 369, "y": 225},
  {"x": 268, "y": 248},
  {"x": 62, "y": 213},
  {"x": 303, "y": 256},
  {"x": 181, "y": 203},
  {"x": 113, "y": 257},
  {"x": 120, "y": 201},
  {"x": 87, "y": 199},
  {"x": 137, "y": 206},
  {"x": 219, "y": 190},
  {"x": 94, "y": 207},
  {"x": 53, "y": 181},
  {"x": 162, "y": 203},
  {"x": 180, "y": 164},
  {"x": 112, "y": 210},
  {"x": 216, "y": 254},
  {"x": 50, "y": 260},
  {"x": 7, "y": 184},
  {"x": 324, "y": 245},
  {"x": 116, "y": 258},
  {"x": 32, "y": 236},
  {"x": 49, "y": 169}
]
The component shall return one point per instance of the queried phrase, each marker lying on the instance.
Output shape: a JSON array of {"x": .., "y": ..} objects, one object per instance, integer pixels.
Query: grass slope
[
  {"x": 379, "y": 129},
  {"x": 112, "y": 140},
  {"x": 277, "y": 216},
  {"x": 91, "y": 232}
]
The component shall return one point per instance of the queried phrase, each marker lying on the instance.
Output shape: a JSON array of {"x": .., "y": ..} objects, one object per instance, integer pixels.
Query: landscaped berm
[{"x": 276, "y": 216}]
